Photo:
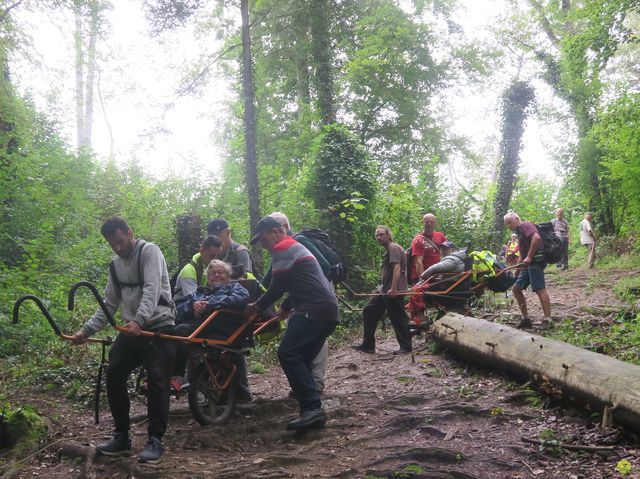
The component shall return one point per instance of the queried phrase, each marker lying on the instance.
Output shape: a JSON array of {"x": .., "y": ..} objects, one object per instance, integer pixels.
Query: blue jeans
[{"x": 301, "y": 342}]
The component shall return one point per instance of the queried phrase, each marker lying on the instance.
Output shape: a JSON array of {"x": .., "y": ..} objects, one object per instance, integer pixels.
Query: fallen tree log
[{"x": 592, "y": 380}]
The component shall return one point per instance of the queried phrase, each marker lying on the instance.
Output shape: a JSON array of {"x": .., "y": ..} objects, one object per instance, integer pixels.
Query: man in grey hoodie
[{"x": 138, "y": 283}]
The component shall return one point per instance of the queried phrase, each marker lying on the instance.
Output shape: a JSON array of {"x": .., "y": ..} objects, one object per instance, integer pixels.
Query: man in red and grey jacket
[{"x": 314, "y": 315}]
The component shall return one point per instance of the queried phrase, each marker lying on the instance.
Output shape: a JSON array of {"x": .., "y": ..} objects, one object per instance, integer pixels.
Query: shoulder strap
[
  {"x": 433, "y": 243},
  {"x": 114, "y": 276},
  {"x": 140, "y": 270},
  {"x": 119, "y": 284}
]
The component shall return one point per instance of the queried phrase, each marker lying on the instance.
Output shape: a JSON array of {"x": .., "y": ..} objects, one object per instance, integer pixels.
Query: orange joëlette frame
[
  {"x": 185, "y": 339},
  {"x": 462, "y": 276}
]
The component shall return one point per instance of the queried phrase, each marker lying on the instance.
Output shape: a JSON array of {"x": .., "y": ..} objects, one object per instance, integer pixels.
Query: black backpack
[
  {"x": 410, "y": 279},
  {"x": 323, "y": 242},
  {"x": 174, "y": 278},
  {"x": 551, "y": 244},
  {"x": 503, "y": 280}
]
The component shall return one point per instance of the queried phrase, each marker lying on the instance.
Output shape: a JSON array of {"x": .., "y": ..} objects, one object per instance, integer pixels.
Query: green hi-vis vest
[{"x": 483, "y": 265}]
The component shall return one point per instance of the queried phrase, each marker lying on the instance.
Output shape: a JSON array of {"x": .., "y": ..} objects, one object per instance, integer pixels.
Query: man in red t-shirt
[{"x": 425, "y": 248}]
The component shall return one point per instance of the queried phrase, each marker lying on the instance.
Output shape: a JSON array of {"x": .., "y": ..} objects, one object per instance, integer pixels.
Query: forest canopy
[{"x": 343, "y": 114}]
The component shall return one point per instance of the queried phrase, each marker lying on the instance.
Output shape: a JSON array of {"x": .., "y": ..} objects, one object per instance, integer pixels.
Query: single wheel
[{"x": 209, "y": 403}]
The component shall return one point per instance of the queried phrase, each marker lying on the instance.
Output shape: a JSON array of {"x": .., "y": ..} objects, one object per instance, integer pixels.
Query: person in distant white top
[{"x": 588, "y": 238}]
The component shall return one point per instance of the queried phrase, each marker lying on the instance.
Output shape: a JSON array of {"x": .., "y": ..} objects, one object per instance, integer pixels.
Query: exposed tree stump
[{"x": 189, "y": 233}]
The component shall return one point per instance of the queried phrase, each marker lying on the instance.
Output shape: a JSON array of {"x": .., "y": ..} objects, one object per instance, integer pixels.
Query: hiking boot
[
  {"x": 120, "y": 445},
  {"x": 243, "y": 397},
  {"x": 524, "y": 324},
  {"x": 308, "y": 420},
  {"x": 547, "y": 323},
  {"x": 152, "y": 452},
  {"x": 401, "y": 351},
  {"x": 363, "y": 349}
]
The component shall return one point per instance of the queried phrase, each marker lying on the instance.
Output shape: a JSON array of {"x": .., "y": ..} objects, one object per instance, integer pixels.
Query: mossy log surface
[{"x": 587, "y": 378}]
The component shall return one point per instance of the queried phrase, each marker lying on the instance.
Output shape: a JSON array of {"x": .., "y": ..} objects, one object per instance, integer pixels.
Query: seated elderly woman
[{"x": 220, "y": 293}]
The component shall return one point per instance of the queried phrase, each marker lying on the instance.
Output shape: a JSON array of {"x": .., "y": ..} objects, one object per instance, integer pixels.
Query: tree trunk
[
  {"x": 77, "y": 10},
  {"x": 321, "y": 48},
  {"x": 251, "y": 157},
  {"x": 91, "y": 71},
  {"x": 587, "y": 378},
  {"x": 515, "y": 104},
  {"x": 189, "y": 234},
  {"x": 301, "y": 26}
]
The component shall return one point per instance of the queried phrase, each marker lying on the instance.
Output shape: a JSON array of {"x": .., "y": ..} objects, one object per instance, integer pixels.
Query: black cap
[
  {"x": 263, "y": 225},
  {"x": 216, "y": 226},
  {"x": 448, "y": 245}
]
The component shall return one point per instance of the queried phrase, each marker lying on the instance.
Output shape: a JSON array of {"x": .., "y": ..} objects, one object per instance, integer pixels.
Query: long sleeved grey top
[{"x": 139, "y": 303}]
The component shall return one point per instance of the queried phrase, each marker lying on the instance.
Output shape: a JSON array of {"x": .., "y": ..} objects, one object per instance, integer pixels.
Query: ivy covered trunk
[
  {"x": 342, "y": 184},
  {"x": 516, "y": 101},
  {"x": 321, "y": 49}
]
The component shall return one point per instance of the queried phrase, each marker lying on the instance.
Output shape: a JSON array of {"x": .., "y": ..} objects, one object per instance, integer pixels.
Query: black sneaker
[
  {"x": 308, "y": 420},
  {"x": 524, "y": 324},
  {"x": 363, "y": 349},
  {"x": 152, "y": 452},
  {"x": 243, "y": 397},
  {"x": 120, "y": 445}
]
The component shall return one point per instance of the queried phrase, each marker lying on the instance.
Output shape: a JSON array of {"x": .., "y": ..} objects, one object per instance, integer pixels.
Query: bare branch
[
  {"x": 189, "y": 87},
  {"x": 6, "y": 11},
  {"x": 544, "y": 22}
]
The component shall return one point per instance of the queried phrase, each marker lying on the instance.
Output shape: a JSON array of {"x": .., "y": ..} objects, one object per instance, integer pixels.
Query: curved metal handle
[
  {"x": 96, "y": 294},
  {"x": 43, "y": 309},
  {"x": 50, "y": 320}
]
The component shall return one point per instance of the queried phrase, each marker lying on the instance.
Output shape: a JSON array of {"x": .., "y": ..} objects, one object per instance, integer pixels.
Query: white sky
[{"x": 140, "y": 75}]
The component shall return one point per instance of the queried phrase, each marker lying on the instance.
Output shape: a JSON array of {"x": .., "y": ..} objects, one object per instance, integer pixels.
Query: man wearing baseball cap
[
  {"x": 232, "y": 252},
  {"x": 314, "y": 314}
]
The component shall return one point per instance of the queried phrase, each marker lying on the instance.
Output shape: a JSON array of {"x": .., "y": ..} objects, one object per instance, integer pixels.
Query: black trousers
[
  {"x": 373, "y": 312},
  {"x": 157, "y": 356},
  {"x": 564, "y": 261},
  {"x": 302, "y": 341}
]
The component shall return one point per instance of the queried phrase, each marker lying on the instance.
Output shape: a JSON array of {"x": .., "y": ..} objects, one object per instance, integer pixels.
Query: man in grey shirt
[
  {"x": 561, "y": 229},
  {"x": 138, "y": 284},
  {"x": 232, "y": 252}
]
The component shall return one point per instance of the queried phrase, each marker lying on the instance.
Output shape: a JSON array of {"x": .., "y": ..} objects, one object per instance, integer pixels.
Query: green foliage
[
  {"x": 628, "y": 289},
  {"x": 624, "y": 467},
  {"x": 619, "y": 340},
  {"x": 534, "y": 199},
  {"x": 387, "y": 54},
  {"x": 342, "y": 184},
  {"x": 617, "y": 136},
  {"x": 23, "y": 429}
]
